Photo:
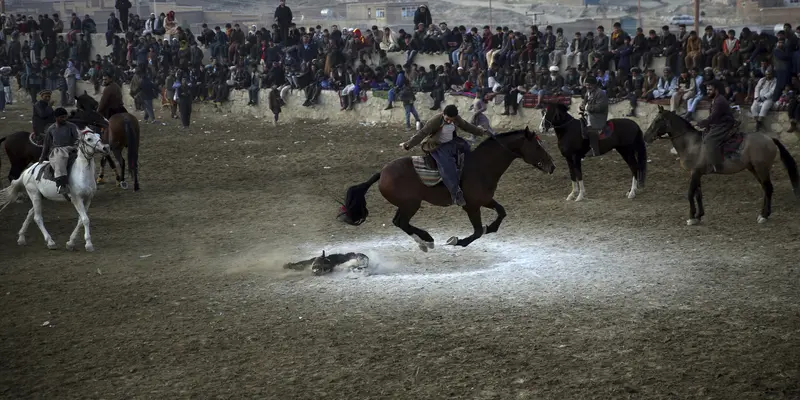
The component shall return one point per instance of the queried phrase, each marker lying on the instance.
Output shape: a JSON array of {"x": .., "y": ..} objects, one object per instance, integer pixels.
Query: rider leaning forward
[
  {"x": 439, "y": 138},
  {"x": 60, "y": 140},
  {"x": 596, "y": 106}
]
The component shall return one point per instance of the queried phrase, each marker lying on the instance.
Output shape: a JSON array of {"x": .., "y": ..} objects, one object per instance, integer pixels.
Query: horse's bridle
[
  {"x": 550, "y": 125},
  {"x": 84, "y": 152}
]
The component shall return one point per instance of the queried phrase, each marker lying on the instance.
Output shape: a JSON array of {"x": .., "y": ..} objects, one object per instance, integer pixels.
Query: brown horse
[
  {"x": 122, "y": 132},
  {"x": 402, "y": 186},
  {"x": 756, "y": 153}
]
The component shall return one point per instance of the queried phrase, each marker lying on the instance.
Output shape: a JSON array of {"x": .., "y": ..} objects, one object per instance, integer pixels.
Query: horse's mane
[
  {"x": 500, "y": 136},
  {"x": 686, "y": 124},
  {"x": 561, "y": 106}
]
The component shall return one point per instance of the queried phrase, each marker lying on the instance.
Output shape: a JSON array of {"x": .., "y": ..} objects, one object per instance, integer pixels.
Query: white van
[{"x": 687, "y": 20}]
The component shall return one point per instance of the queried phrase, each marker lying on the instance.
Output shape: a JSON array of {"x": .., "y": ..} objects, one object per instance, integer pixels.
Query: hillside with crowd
[{"x": 162, "y": 59}]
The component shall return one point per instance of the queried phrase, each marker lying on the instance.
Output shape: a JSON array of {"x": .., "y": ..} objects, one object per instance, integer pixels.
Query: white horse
[{"x": 82, "y": 187}]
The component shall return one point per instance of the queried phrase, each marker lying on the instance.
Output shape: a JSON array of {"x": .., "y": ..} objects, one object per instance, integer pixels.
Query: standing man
[
  {"x": 123, "y": 6},
  {"x": 42, "y": 113},
  {"x": 283, "y": 17},
  {"x": 60, "y": 140}
]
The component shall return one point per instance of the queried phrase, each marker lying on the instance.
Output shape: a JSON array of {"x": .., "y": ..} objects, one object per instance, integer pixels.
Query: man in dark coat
[
  {"x": 123, "y": 6},
  {"x": 111, "y": 100},
  {"x": 719, "y": 125},
  {"x": 283, "y": 17},
  {"x": 423, "y": 16},
  {"x": 43, "y": 113}
]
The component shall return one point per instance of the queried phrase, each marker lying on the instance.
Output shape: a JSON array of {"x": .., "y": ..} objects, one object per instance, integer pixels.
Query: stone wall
[{"x": 372, "y": 111}]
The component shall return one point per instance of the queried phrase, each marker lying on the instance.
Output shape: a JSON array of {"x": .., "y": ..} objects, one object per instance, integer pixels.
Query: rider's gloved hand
[{"x": 404, "y": 146}]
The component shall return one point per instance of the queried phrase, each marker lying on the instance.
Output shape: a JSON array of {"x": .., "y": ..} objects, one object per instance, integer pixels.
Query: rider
[
  {"x": 438, "y": 137},
  {"x": 596, "y": 106},
  {"x": 43, "y": 113},
  {"x": 60, "y": 140},
  {"x": 111, "y": 100},
  {"x": 719, "y": 125}
]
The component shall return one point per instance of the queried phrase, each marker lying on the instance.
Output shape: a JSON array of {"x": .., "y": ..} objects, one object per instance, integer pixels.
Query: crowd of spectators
[{"x": 484, "y": 62}]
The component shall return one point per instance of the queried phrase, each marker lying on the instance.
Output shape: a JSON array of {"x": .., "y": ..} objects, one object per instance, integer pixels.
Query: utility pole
[
  {"x": 639, "y": 10},
  {"x": 138, "y": 8},
  {"x": 3, "y": 6},
  {"x": 697, "y": 17},
  {"x": 490, "y": 13},
  {"x": 534, "y": 15}
]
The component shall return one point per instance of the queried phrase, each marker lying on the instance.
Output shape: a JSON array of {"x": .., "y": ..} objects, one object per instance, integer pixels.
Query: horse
[
  {"x": 37, "y": 181},
  {"x": 624, "y": 135},
  {"x": 24, "y": 148},
  {"x": 122, "y": 132},
  {"x": 754, "y": 152},
  {"x": 406, "y": 182}
]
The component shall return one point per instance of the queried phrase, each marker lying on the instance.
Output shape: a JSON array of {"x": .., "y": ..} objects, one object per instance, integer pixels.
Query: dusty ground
[{"x": 185, "y": 297}]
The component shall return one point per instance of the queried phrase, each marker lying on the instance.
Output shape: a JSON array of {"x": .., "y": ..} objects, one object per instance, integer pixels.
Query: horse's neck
[
  {"x": 564, "y": 127},
  {"x": 82, "y": 169},
  {"x": 687, "y": 144},
  {"x": 494, "y": 160}
]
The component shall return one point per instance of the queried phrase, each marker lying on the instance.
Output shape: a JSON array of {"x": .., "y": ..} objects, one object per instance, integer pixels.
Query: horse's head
[
  {"x": 86, "y": 102},
  {"x": 90, "y": 117},
  {"x": 553, "y": 115},
  {"x": 665, "y": 123},
  {"x": 90, "y": 143},
  {"x": 321, "y": 265},
  {"x": 530, "y": 149}
]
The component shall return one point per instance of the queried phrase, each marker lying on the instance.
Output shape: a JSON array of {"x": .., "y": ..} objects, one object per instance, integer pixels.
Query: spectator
[
  {"x": 763, "y": 98},
  {"x": 283, "y": 17},
  {"x": 422, "y": 16},
  {"x": 123, "y": 6}
]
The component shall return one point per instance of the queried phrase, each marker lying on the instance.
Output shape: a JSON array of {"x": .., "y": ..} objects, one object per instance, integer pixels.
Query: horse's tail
[
  {"x": 791, "y": 166},
  {"x": 641, "y": 158},
  {"x": 133, "y": 144},
  {"x": 9, "y": 194},
  {"x": 354, "y": 210}
]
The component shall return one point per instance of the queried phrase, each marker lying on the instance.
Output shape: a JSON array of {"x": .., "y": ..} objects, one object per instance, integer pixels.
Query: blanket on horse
[
  {"x": 732, "y": 146},
  {"x": 428, "y": 170}
]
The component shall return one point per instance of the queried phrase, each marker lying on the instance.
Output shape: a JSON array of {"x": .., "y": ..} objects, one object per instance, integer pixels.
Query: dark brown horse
[
  {"x": 626, "y": 137},
  {"x": 754, "y": 152},
  {"x": 122, "y": 132},
  {"x": 402, "y": 186}
]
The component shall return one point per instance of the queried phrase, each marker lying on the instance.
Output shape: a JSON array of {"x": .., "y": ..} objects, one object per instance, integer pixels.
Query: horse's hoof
[
  {"x": 692, "y": 222},
  {"x": 631, "y": 195},
  {"x": 21, "y": 241},
  {"x": 52, "y": 245},
  {"x": 761, "y": 219},
  {"x": 571, "y": 197},
  {"x": 429, "y": 245},
  {"x": 452, "y": 241},
  {"x": 135, "y": 187},
  {"x": 100, "y": 181},
  {"x": 579, "y": 198},
  {"x": 89, "y": 247},
  {"x": 70, "y": 246},
  {"x": 423, "y": 247},
  {"x": 123, "y": 185}
]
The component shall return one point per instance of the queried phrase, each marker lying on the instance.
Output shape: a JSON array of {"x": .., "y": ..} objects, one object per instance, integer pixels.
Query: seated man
[
  {"x": 60, "y": 140},
  {"x": 763, "y": 98},
  {"x": 439, "y": 138},
  {"x": 718, "y": 125},
  {"x": 596, "y": 107}
]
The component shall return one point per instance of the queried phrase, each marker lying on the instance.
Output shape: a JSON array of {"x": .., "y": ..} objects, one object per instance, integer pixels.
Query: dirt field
[{"x": 185, "y": 296}]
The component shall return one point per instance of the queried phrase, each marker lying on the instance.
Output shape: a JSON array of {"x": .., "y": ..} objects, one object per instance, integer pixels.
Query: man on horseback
[
  {"x": 59, "y": 142},
  {"x": 111, "y": 100},
  {"x": 42, "y": 113},
  {"x": 719, "y": 125},
  {"x": 439, "y": 138},
  {"x": 595, "y": 104}
]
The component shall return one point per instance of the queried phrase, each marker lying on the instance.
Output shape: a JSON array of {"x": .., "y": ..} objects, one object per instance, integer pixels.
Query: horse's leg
[
  {"x": 36, "y": 199},
  {"x": 630, "y": 158},
  {"x": 402, "y": 220},
  {"x": 579, "y": 176},
  {"x": 474, "y": 214},
  {"x": 121, "y": 170},
  {"x": 571, "y": 166},
  {"x": 83, "y": 219},
  {"x": 694, "y": 193},
  {"x": 766, "y": 184},
  {"x": 501, "y": 214},
  {"x": 24, "y": 229}
]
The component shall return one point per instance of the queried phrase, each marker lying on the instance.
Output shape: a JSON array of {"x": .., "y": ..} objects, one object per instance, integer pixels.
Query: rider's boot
[
  {"x": 594, "y": 142},
  {"x": 62, "y": 185},
  {"x": 458, "y": 198}
]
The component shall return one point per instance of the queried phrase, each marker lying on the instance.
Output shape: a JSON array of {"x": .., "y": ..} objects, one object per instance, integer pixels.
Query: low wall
[{"x": 372, "y": 111}]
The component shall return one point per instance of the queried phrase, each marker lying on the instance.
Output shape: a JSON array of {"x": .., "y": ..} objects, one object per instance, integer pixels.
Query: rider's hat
[
  {"x": 451, "y": 111},
  {"x": 45, "y": 92}
]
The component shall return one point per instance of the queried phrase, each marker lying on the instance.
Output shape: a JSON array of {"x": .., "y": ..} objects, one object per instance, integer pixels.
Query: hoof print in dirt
[{"x": 354, "y": 262}]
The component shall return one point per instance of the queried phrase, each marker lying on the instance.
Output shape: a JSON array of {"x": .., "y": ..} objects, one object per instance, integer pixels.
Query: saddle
[
  {"x": 605, "y": 133},
  {"x": 732, "y": 146},
  {"x": 428, "y": 169},
  {"x": 47, "y": 171}
]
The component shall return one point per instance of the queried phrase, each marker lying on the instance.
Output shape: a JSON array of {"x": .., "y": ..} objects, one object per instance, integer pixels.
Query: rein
[{"x": 570, "y": 119}]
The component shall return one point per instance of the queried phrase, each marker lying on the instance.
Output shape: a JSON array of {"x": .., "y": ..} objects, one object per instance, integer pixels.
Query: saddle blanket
[
  {"x": 607, "y": 130},
  {"x": 46, "y": 169},
  {"x": 732, "y": 148},
  {"x": 428, "y": 171},
  {"x": 531, "y": 100}
]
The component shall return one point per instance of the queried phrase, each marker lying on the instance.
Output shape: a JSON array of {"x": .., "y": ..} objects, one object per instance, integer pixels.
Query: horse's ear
[
  {"x": 660, "y": 108},
  {"x": 527, "y": 129},
  {"x": 323, "y": 253},
  {"x": 84, "y": 92}
]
